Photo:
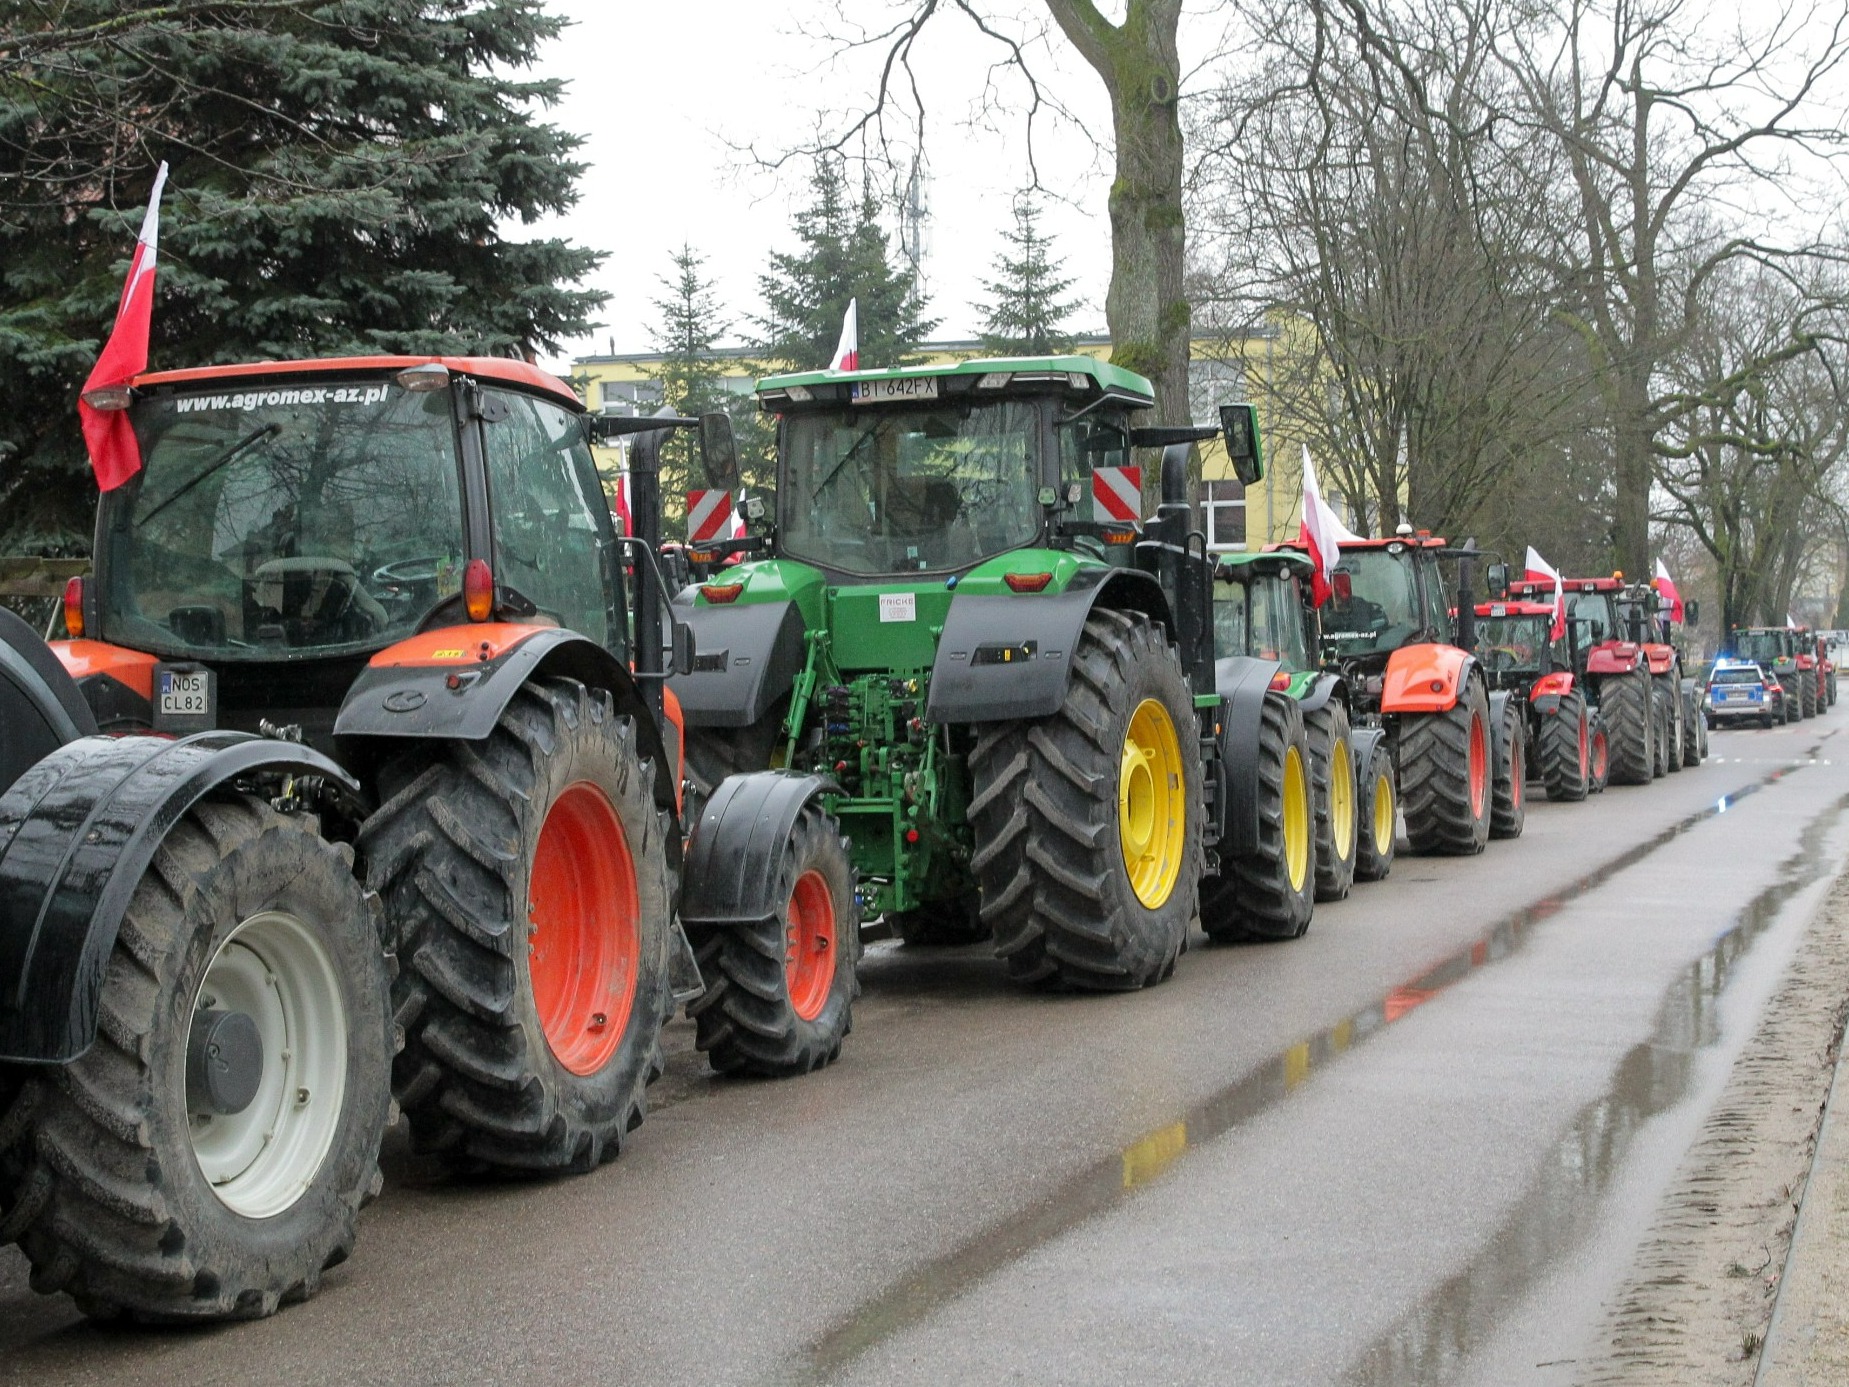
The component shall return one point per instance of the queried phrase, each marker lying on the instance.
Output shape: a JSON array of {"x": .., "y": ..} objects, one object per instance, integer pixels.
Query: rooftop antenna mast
[{"x": 915, "y": 221}]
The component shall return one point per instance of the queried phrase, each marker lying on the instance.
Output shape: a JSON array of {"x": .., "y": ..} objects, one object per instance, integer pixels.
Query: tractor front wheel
[
  {"x": 1669, "y": 692},
  {"x": 1087, "y": 822},
  {"x": 1380, "y": 806},
  {"x": 1694, "y": 728},
  {"x": 780, "y": 992},
  {"x": 528, "y": 878},
  {"x": 1269, "y": 892},
  {"x": 1565, "y": 746},
  {"x": 1509, "y": 798},
  {"x": 1332, "y": 772},
  {"x": 1445, "y": 775},
  {"x": 208, "y": 1156},
  {"x": 1598, "y": 753},
  {"x": 1626, "y": 704}
]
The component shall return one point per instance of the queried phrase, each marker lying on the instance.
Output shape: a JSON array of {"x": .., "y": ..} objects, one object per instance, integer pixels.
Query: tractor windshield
[
  {"x": 880, "y": 490},
  {"x": 1262, "y": 618},
  {"x": 1761, "y": 647},
  {"x": 1597, "y": 621},
  {"x": 1375, "y": 603},
  {"x": 1512, "y": 642},
  {"x": 313, "y": 519}
]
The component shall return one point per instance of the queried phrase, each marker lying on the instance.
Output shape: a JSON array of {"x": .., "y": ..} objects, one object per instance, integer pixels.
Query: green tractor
[
  {"x": 952, "y": 607},
  {"x": 1263, "y": 610}
]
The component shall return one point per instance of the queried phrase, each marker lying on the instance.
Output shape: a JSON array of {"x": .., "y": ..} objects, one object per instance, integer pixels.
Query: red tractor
[
  {"x": 1648, "y": 622},
  {"x": 1565, "y": 735},
  {"x": 1459, "y": 748}
]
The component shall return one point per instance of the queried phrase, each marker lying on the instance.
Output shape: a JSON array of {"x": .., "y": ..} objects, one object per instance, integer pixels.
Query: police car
[{"x": 1741, "y": 689}]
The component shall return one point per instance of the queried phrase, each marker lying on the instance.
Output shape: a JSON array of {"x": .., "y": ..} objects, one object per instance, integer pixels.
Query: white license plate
[
  {"x": 872, "y": 392},
  {"x": 185, "y": 695}
]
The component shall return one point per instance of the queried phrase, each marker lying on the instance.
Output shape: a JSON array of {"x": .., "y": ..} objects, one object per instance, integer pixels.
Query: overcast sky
[{"x": 664, "y": 95}]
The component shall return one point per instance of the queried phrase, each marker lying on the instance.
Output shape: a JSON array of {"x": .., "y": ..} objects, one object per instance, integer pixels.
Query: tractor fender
[
  {"x": 1498, "y": 703},
  {"x": 1243, "y": 683},
  {"x": 40, "y": 706},
  {"x": 1326, "y": 687},
  {"x": 1003, "y": 657},
  {"x": 77, "y": 833},
  {"x": 1426, "y": 678},
  {"x": 1365, "y": 743},
  {"x": 454, "y": 683},
  {"x": 1661, "y": 658},
  {"x": 737, "y": 847},
  {"x": 1547, "y": 691},
  {"x": 1614, "y": 657},
  {"x": 745, "y": 659}
]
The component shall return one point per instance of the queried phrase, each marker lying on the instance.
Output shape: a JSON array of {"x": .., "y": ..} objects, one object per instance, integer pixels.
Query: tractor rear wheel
[
  {"x": 779, "y": 996},
  {"x": 528, "y": 878},
  {"x": 1088, "y": 822},
  {"x": 1807, "y": 694},
  {"x": 1379, "y": 801},
  {"x": 1509, "y": 796},
  {"x": 1565, "y": 746},
  {"x": 1445, "y": 773},
  {"x": 713, "y": 753},
  {"x": 1669, "y": 691},
  {"x": 1659, "y": 766},
  {"x": 208, "y": 1156},
  {"x": 1598, "y": 753},
  {"x": 1332, "y": 773},
  {"x": 1626, "y": 705},
  {"x": 1269, "y": 893},
  {"x": 1694, "y": 727}
]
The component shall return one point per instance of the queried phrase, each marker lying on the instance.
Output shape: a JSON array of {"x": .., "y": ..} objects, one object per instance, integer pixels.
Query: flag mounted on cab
[{"x": 102, "y": 408}]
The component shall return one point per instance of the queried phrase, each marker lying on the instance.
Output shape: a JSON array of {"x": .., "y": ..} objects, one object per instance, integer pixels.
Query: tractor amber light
[
  {"x": 1119, "y": 536},
  {"x": 478, "y": 589},
  {"x": 419, "y": 380},
  {"x": 73, "y": 608},
  {"x": 722, "y": 592},
  {"x": 1280, "y": 682},
  {"x": 109, "y": 397},
  {"x": 1027, "y": 582}
]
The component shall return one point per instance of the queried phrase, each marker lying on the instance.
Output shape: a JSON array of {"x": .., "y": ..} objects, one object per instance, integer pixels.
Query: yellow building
[{"x": 1223, "y": 371}]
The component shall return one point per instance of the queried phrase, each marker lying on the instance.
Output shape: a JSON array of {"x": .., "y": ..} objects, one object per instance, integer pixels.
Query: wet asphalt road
[{"x": 1414, "y": 1146}]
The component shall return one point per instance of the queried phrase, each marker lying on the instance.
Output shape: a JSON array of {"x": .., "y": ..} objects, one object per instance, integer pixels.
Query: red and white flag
[
  {"x": 114, "y": 453},
  {"x": 847, "y": 350},
  {"x": 1321, "y": 532},
  {"x": 624, "y": 514},
  {"x": 1539, "y": 570},
  {"x": 1666, "y": 588}
]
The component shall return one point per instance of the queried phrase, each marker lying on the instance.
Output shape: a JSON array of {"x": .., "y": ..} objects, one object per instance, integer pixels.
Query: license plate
[
  {"x": 183, "y": 699},
  {"x": 872, "y": 392}
]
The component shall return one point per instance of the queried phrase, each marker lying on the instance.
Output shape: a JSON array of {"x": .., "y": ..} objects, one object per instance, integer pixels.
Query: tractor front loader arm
[{"x": 78, "y": 831}]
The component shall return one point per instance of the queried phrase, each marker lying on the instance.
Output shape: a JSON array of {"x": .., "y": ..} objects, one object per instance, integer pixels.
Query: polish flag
[
  {"x": 1541, "y": 571},
  {"x": 1666, "y": 588},
  {"x": 847, "y": 350},
  {"x": 625, "y": 516},
  {"x": 114, "y": 453},
  {"x": 1321, "y": 532}
]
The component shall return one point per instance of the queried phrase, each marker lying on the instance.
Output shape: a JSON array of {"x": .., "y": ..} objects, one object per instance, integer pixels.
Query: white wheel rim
[{"x": 275, "y": 970}]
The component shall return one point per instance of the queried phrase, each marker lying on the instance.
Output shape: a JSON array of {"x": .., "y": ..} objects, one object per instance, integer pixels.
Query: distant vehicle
[{"x": 1739, "y": 690}]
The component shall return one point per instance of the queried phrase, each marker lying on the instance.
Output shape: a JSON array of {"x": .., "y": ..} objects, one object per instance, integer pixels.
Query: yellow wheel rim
[
  {"x": 1152, "y": 806},
  {"x": 1342, "y": 799},
  {"x": 1383, "y": 815},
  {"x": 1296, "y": 819}
]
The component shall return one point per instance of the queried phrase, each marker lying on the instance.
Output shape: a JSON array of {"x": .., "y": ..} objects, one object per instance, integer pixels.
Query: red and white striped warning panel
[
  {"x": 707, "y": 513},
  {"x": 1116, "y": 494}
]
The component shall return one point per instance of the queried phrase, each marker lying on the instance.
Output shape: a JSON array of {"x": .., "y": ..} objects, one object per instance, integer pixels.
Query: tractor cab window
[
  {"x": 1096, "y": 440},
  {"x": 543, "y": 494},
  {"x": 1761, "y": 647},
  {"x": 1592, "y": 610},
  {"x": 311, "y": 518},
  {"x": 1374, "y": 605},
  {"x": 1512, "y": 642},
  {"x": 1437, "y": 598},
  {"x": 880, "y": 490}
]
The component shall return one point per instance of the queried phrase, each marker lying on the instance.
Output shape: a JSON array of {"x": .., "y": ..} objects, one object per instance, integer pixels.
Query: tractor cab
[
  {"x": 1261, "y": 609},
  {"x": 1515, "y": 645},
  {"x": 1594, "y": 619},
  {"x": 1385, "y": 594}
]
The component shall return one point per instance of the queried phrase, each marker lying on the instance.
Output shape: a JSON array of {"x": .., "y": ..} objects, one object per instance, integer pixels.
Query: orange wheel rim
[
  {"x": 809, "y": 945},
  {"x": 586, "y": 935},
  {"x": 1518, "y": 770},
  {"x": 1599, "y": 748},
  {"x": 1479, "y": 766},
  {"x": 1585, "y": 750}
]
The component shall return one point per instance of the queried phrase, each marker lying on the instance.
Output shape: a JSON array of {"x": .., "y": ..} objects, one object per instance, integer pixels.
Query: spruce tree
[
  {"x": 341, "y": 174},
  {"x": 1025, "y": 310},
  {"x": 692, "y": 381},
  {"x": 844, "y": 256}
]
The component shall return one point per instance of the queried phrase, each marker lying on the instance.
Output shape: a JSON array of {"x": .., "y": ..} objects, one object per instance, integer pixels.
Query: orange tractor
[{"x": 397, "y": 825}]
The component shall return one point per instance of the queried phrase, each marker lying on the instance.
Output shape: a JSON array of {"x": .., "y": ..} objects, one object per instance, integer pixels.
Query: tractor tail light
[
  {"x": 1027, "y": 582},
  {"x": 1280, "y": 682},
  {"x": 722, "y": 592},
  {"x": 73, "y": 608},
  {"x": 478, "y": 589}
]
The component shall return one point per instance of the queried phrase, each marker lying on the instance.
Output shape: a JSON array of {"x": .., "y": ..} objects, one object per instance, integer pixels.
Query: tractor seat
[{"x": 917, "y": 506}]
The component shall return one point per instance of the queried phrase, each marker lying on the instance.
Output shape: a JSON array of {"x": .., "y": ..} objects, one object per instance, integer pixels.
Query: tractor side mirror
[
  {"x": 680, "y": 647},
  {"x": 1691, "y": 613},
  {"x": 1496, "y": 579},
  {"x": 719, "y": 452},
  {"x": 1239, "y": 427}
]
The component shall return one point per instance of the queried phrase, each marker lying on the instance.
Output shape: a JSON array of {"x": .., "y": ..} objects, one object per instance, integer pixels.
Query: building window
[
  {"x": 1223, "y": 513},
  {"x": 1212, "y": 383}
]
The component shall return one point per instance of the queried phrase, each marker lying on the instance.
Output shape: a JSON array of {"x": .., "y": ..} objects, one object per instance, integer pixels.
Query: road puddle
[
  {"x": 1455, "y": 1317},
  {"x": 1561, "y": 1210}
]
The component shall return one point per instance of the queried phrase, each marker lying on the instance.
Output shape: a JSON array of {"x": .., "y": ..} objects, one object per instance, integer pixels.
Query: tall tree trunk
[
  {"x": 1145, "y": 307},
  {"x": 1634, "y": 463}
]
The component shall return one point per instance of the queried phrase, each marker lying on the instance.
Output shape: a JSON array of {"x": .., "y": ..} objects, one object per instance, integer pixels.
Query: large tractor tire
[
  {"x": 1445, "y": 773},
  {"x": 713, "y": 753},
  {"x": 1694, "y": 726},
  {"x": 1332, "y": 775},
  {"x": 1270, "y": 892},
  {"x": 1379, "y": 800},
  {"x": 1669, "y": 693},
  {"x": 1509, "y": 793},
  {"x": 1088, "y": 822},
  {"x": 1598, "y": 753},
  {"x": 1659, "y": 765},
  {"x": 1793, "y": 708},
  {"x": 208, "y": 1156},
  {"x": 528, "y": 879},
  {"x": 1807, "y": 694},
  {"x": 1627, "y": 706},
  {"x": 780, "y": 993},
  {"x": 1565, "y": 747},
  {"x": 942, "y": 924}
]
